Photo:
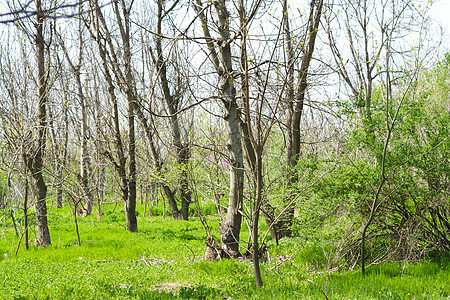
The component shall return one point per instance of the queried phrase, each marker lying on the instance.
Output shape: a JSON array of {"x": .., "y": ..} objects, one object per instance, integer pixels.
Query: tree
[
  {"x": 221, "y": 58},
  {"x": 295, "y": 99},
  {"x": 35, "y": 162},
  {"x": 258, "y": 133},
  {"x": 173, "y": 101},
  {"x": 126, "y": 80},
  {"x": 85, "y": 161},
  {"x": 372, "y": 57}
]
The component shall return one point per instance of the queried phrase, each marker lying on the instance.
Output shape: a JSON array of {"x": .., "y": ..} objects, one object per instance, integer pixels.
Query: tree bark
[
  {"x": 35, "y": 163},
  {"x": 231, "y": 225},
  {"x": 130, "y": 202},
  {"x": 295, "y": 104},
  {"x": 181, "y": 150},
  {"x": 85, "y": 158}
]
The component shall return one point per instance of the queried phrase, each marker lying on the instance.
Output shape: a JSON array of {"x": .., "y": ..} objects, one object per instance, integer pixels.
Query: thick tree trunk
[
  {"x": 231, "y": 226},
  {"x": 35, "y": 163}
]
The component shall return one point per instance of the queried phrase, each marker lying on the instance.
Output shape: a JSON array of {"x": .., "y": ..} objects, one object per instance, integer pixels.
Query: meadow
[{"x": 164, "y": 260}]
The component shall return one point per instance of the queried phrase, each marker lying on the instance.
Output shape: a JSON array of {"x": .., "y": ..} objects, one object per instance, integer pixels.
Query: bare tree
[
  {"x": 221, "y": 58},
  {"x": 35, "y": 161},
  {"x": 182, "y": 149},
  {"x": 85, "y": 161},
  {"x": 295, "y": 99},
  {"x": 108, "y": 54}
]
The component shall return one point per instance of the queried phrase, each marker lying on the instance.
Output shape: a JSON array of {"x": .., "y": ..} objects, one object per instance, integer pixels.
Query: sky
[{"x": 440, "y": 11}]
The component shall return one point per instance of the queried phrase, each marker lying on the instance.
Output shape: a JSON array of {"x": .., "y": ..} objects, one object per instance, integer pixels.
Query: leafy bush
[{"x": 412, "y": 212}]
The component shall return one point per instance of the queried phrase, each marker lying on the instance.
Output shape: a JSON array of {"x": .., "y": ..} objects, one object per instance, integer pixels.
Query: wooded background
[{"x": 330, "y": 119}]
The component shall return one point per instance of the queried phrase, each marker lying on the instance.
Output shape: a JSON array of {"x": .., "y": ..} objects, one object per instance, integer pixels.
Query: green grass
[{"x": 108, "y": 265}]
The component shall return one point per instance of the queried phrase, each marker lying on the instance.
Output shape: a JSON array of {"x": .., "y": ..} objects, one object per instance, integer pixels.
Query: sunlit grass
[{"x": 164, "y": 261}]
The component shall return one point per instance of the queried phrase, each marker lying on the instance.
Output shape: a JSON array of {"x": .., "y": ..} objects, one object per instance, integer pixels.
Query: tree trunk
[
  {"x": 158, "y": 165},
  {"x": 85, "y": 161},
  {"x": 59, "y": 159},
  {"x": 255, "y": 219},
  {"x": 25, "y": 203},
  {"x": 85, "y": 158},
  {"x": 130, "y": 202},
  {"x": 230, "y": 227},
  {"x": 127, "y": 183},
  {"x": 295, "y": 105},
  {"x": 181, "y": 150},
  {"x": 35, "y": 163}
]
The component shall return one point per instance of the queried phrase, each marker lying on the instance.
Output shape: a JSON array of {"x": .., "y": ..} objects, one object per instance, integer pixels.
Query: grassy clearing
[{"x": 109, "y": 264}]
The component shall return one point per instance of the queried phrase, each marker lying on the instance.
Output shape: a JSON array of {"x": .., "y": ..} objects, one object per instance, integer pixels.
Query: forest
[{"x": 240, "y": 149}]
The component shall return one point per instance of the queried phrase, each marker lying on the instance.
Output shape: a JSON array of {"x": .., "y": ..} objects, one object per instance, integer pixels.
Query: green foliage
[
  {"x": 413, "y": 205},
  {"x": 109, "y": 265}
]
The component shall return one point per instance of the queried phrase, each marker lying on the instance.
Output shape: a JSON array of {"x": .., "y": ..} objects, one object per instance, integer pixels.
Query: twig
[
  {"x": 145, "y": 260},
  {"x": 193, "y": 254},
  {"x": 289, "y": 258},
  {"x": 317, "y": 286}
]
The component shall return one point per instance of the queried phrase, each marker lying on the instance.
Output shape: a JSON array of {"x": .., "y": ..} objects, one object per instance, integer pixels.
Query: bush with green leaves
[{"x": 411, "y": 216}]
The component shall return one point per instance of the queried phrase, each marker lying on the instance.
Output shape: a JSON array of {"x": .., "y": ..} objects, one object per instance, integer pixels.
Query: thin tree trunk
[
  {"x": 158, "y": 165},
  {"x": 62, "y": 157},
  {"x": 255, "y": 221},
  {"x": 85, "y": 161},
  {"x": 181, "y": 150},
  {"x": 130, "y": 202},
  {"x": 59, "y": 162},
  {"x": 127, "y": 183},
  {"x": 120, "y": 165},
  {"x": 130, "y": 205},
  {"x": 295, "y": 103},
  {"x": 100, "y": 181},
  {"x": 256, "y": 143},
  {"x": 25, "y": 212},
  {"x": 85, "y": 158}
]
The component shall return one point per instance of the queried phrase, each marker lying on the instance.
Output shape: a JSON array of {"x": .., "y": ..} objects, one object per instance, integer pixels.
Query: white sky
[{"x": 440, "y": 11}]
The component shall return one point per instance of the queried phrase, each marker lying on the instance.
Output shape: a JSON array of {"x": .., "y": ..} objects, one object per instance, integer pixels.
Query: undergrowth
[{"x": 164, "y": 261}]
